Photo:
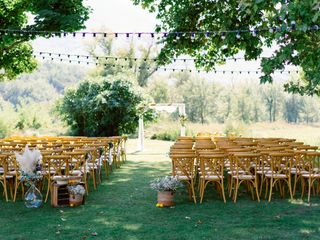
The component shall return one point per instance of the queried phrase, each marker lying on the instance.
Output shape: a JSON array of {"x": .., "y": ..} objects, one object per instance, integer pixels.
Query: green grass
[{"x": 123, "y": 207}]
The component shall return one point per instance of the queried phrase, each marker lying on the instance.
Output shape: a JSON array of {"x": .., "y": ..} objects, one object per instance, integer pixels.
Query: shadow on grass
[{"x": 123, "y": 207}]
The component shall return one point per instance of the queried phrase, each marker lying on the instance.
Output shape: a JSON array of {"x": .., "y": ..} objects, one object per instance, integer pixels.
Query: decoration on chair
[
  {"x": 29, "y": 162},
  {"x": 183, "y": 120}
]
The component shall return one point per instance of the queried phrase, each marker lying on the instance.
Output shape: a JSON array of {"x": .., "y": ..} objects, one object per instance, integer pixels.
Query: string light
[
  {"x": 135, "y": 59},
  {"x": 293, "y": 27},
  {"x": 156, "y": 68}
]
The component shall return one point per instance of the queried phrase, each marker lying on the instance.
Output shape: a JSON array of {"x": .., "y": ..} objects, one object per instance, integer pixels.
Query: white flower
[{"x": 28, "y": 160}]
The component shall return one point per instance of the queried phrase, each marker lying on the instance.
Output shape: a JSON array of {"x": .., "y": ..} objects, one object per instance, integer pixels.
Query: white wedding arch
[{"x": 167, "y": 107}]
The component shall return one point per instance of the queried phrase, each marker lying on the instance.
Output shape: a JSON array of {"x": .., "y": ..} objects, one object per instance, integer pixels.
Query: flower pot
[
  {"x": 166, "y": 198},
  {"x": 75, "y": 199}
]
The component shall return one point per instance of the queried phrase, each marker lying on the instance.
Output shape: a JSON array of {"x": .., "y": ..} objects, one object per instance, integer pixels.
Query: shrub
[
  {"x": 234, "y": 128},
  {"x": 103, "y": 108}
]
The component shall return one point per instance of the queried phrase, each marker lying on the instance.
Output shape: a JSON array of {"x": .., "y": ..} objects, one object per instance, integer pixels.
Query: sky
[{"x": 123, "y": 16}]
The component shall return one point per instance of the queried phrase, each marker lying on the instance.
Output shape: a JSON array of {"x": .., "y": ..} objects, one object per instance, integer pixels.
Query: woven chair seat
[
  {"x": 276, "y": 175},
  {"x": 244, "y": 177}
]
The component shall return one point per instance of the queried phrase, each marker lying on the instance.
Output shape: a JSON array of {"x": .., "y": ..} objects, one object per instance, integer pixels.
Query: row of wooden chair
[
  {"x": 257, "y": 163},
  {"x": 61, "y": 157}
]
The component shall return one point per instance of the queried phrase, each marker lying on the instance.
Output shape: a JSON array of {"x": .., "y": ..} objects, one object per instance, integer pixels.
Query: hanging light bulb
[
  {"x": 223, "y": 35},
  {"x": 238, "y": 36},
  {"x": 254, "y": 32},
  {"x": 293, "y": 25}
]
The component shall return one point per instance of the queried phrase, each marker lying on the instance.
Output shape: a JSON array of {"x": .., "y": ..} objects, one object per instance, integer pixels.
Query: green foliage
[
  {"x": 234, "y": 128},
  {"x": 102, "y": 107},
  {"x": 138, "y": 59},
  {"x": 245, "y": 101},
  {"x": 26, "y": 104},
  {"x": 159, "y": 90},
  {"x": 166, "y": 136},
  {"x": 3, "y": 129},
  {"x": 300, "y": 48},
  {"x": 54, "y": 15}
]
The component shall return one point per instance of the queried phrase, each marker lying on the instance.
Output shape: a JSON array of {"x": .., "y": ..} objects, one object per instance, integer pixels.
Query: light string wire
[
  {"x": 61, "y": 59},
  {"x": 192, "y": 34},
  {"x": 116, "y": 58}
]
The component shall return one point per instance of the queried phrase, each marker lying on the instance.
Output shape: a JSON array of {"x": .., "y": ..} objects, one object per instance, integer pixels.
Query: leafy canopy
[
  {"x": 103, "y": 108},
  {"x": 48, "y": 15},
  {"x": 299, "y": 48}
]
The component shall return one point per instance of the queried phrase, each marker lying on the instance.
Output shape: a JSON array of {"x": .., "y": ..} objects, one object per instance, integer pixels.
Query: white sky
[{"x": 123, "y": 16}]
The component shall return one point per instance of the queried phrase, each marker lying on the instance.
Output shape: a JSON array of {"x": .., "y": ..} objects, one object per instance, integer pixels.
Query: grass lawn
[{"x": 123, "y": 207}]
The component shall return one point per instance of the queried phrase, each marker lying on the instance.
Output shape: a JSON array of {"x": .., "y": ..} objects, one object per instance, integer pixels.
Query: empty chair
[
  {"x": 183, "y": 168},
  {"x": 211, "y": 171}
]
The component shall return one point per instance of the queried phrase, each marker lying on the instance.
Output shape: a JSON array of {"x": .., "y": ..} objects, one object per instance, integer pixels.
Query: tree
[
  {"x": 290, "y": 22},
  {"x": 124, "y": 60},
  {"x": 199, "y": 97},
  {"x": 53, "y": 15},
  {"x": 292, "y": 109},
  {"x": 272, "y": 95},
  {"x": 103, "y": 107},
  {"x": 159, "y": 90}
]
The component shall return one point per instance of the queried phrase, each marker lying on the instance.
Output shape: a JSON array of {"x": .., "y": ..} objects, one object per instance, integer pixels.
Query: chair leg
[
  {"x": 257, "y": 191},
  {"x": 193, "y": 192},
  {"x": 271, "y": 186},
  {"x": 48, "y": 190},
  {"x": 236, "y": 191},
  {"x": 290, "y": 189},
  {"x": 261, "y": 184},
  {"x": 302, "y": 186},
  {"x": 294, "y": 184},
  {"x": 202, "y": 188},
  {"x": 267, "y": 188},
  {"x": 309, "y": 189},
  {"x": 222, "y": 190},
  {"x": 231, "y": 185}
]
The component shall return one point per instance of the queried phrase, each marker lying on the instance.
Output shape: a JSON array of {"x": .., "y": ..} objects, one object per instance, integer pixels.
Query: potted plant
[
  {"x": 76, "y": 193},
  {"x": 166, "y": 187}
]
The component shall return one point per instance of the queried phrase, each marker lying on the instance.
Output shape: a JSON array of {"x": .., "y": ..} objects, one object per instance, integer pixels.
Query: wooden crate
[{"x": 60, "y": 195}]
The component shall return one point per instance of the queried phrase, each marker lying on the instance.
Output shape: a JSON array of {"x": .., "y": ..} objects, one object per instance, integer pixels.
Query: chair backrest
[
  {"x": 312, "y": 163},
  {"x": 56, "y": 165},
  {"x": 281, "y": 163},
  {"x": 212, "y": 164},
  {"x": 244, "y": 163},
  {"x": 183, "y": 165}
]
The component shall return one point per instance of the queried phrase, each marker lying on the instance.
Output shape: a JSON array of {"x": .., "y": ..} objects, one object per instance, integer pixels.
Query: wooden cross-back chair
[
  {"x": 4, "y": 177},
  {"x": 312, "y": 172},
  {"x": 243, "y": 169},
  {"x": 54, "y": 166},
  {"x": 280, "y": 172},
  {"x": 78, "y": 165},
  {"x": 184, "y": 169},
  {"x": 211, "y": 171}
]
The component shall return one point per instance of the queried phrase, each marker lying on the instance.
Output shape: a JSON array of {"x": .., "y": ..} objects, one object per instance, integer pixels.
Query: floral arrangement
[
  {"x": 76, "y": 190},
  {"x": 183, "y": 120},
  {"x": 29, "y": 162},
  {"x": 167, "y": 183}
]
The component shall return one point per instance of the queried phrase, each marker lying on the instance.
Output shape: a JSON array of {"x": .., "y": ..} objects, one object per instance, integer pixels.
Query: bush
[
  {"x": 103, "y": 108},
  {"x": 3, "y": 129},
  {"x": 166, "y": 136},
  {"x": 234, "y": 128}
]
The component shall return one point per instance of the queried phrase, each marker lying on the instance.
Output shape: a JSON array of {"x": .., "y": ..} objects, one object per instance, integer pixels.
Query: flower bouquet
[
  {"x": 76, "y": 193},
  {"x": 166, "y": 187},
  {"x": 29, "y": 163}
]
